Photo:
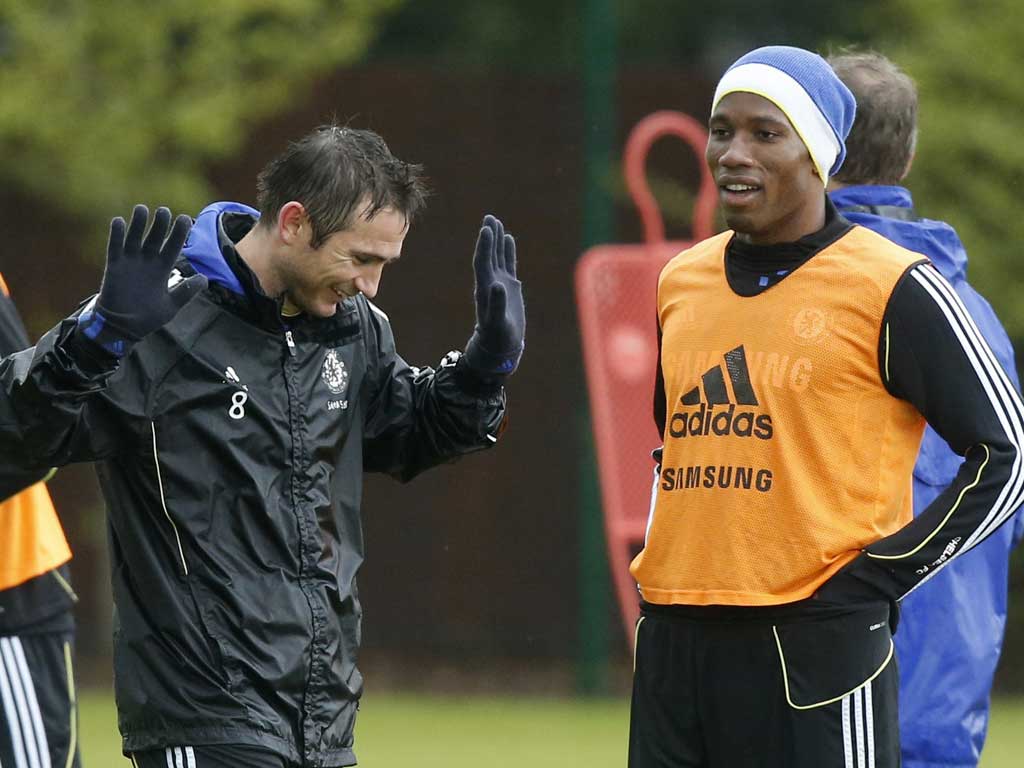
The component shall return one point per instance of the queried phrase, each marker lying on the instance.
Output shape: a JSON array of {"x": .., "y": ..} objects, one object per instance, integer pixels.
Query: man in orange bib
[
  {"x": 800, "y": 358},
  {"x": 38, "y": 716}
]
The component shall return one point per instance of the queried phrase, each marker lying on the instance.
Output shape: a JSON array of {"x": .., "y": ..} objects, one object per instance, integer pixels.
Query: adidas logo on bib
[{"x": 721, "y": 412}]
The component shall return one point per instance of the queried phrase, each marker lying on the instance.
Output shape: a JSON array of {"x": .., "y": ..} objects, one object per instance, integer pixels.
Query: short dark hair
[
  {"x": 333, "y": 171},
  {"x": 884, "y": 134}
]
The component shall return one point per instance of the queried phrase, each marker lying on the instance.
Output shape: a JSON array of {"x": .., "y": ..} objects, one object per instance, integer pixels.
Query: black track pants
[
  {"x": 805, "y": 692},
  {"x": 38, "y": 710},
  {"x": 209, "y": 756}
]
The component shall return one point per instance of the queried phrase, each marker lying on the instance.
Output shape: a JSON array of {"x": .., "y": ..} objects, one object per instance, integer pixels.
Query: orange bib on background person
[
  {"x": 32, "y": 541},
  {"x": 784, "y": 452}
]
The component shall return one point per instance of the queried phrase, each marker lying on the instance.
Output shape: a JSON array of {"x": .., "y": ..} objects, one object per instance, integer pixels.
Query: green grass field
[{"x": 400, "y": 731}]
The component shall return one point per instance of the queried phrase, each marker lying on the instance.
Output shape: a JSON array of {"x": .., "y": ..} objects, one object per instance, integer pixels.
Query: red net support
[{"x": 616, "y": 299}]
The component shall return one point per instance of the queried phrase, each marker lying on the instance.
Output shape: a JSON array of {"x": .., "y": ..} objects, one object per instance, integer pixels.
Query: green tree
[
  {"x": 108, "y": 102},
  {"x": 965, "y": 57}
]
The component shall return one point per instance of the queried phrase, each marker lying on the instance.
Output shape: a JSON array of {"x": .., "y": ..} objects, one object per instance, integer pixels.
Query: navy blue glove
[
  {"x": 496, "y": 345},
  {"x": 136, "y": 296}
]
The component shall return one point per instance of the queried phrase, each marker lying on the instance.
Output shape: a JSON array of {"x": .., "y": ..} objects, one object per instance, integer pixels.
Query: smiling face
[
  {"x": 348, "y": 262},
  {"x": 767, "y": 185}
]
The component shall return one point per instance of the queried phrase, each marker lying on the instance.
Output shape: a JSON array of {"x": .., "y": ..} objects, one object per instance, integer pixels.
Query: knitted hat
[{"x": 802, "y": 84}]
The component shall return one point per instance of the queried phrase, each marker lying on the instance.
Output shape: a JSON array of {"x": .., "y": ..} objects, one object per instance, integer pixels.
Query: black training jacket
[
  {"x": 43, "y": 603},
  {"x": 231, "y": 456}
]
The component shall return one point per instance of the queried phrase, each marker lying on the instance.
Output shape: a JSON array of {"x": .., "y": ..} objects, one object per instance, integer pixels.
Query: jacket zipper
[
  {"x": 289, "y": 372},
  {"x": 163, "y": 502}
]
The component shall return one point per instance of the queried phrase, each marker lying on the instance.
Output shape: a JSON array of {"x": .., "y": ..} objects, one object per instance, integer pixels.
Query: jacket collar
[
  {"x": 210, "y": 250},
  {"x": 865, "y": 194},
  {"x": 795, "y": 253},
  {"x": 934, "y": 239}
]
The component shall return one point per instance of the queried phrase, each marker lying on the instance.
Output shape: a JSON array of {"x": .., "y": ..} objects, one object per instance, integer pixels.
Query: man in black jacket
[
  {"x": 233, "y": 436},
  {"x": 38, "y": 716}
]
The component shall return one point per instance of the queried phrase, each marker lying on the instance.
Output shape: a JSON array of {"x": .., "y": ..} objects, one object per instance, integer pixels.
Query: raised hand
[
  {"x": 135, "y": 297},
  {"x": 496, "y": 345}
]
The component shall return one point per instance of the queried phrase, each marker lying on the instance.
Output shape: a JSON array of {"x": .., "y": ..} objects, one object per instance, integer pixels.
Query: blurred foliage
[
  {"x": 712, "y": 36},
  {"x": 525, "y": 35},
  {"x": 965, "y": 57},
  {"x": 108, "y": 102},
  {"x": 546, "y": 35}
]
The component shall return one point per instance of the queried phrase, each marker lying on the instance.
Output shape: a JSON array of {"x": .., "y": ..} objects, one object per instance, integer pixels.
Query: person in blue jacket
[{"x": 951, "y": 629}]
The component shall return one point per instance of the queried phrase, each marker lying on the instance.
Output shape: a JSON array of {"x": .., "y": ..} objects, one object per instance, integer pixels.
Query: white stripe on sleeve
[{"x": 1002, "y": 396}]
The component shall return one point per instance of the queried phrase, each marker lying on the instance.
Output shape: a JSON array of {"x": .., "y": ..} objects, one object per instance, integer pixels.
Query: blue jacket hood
[
  {"x": 935, "y": 239},
  {"x": 202, "y": 249}
]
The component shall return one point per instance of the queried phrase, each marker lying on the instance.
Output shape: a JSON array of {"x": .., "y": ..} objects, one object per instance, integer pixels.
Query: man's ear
[{"x": 293, "y": 224}]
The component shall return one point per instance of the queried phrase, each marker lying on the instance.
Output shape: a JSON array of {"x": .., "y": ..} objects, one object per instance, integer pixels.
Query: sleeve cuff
[
  {"x": 476, "y": 383},
  {"x": 88, "y": 356}
]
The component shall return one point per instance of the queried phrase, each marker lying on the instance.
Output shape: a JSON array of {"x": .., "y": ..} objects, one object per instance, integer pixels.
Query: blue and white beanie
[{"x": 802, "y": 84}]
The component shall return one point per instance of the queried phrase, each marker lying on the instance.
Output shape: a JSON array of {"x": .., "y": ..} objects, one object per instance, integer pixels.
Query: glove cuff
[
  {"x": 491, "y": 364},
  {"x": 107, "y": 329},
  {"x": 87, "y": 356}
]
